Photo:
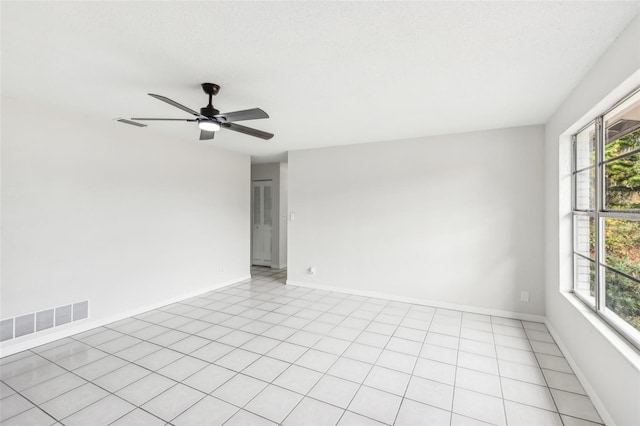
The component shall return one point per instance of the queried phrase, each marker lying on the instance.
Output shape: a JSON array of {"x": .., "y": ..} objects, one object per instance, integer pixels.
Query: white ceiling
[{"x": 328, "y": 73}]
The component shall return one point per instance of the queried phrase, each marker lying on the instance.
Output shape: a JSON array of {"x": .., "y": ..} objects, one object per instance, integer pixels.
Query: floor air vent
[{"x": 11, "y": 328}]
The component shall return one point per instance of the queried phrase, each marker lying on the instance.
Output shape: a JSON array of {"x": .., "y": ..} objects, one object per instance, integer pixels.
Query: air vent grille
[
  {"x": 44, "y": 319},
  {"x": 23, "y": 325},
  {"x": 63, "y": 315}
]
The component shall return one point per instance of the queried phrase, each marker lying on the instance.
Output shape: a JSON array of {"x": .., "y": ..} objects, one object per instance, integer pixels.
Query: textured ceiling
[{"x": 328, "y": 73}]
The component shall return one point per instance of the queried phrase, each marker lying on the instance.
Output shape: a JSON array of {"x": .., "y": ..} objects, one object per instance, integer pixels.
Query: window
[{"x": 606, "y": 216}]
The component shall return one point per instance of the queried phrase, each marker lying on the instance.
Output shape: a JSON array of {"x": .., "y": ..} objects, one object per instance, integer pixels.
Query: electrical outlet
[{"x": 524, "y": 296}]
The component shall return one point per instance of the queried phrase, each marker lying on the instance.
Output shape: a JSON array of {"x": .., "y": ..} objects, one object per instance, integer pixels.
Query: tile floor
[{"x": 260, "y": 353}]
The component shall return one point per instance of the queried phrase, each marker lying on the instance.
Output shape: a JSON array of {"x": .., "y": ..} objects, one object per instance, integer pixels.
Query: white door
[{"x": 262, "y": 218}]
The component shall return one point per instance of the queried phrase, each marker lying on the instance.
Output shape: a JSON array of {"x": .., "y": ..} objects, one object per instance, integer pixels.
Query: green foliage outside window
[{"x": 622, "y": 237}]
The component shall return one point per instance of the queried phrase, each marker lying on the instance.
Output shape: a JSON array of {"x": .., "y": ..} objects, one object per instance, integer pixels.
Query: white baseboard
[
  {"x": 31, "y": 341},
  {"x": 416, "y": 301},
  {"x": 597, "y": 403},
  {"x": 274, "y": 266}
]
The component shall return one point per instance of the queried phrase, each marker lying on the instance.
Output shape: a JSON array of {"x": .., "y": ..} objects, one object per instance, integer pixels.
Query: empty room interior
[{"x": 320, "y": 213}]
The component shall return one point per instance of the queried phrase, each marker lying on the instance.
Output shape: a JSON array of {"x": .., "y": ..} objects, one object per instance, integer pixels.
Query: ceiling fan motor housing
[{"x": 209, "y": 111}]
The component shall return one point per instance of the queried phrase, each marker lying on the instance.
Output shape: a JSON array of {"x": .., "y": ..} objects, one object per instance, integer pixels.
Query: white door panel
[{"x": 262, "y": 220}]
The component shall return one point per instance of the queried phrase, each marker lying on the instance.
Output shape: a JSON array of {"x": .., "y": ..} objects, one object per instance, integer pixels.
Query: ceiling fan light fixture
[{"x": 209, "y": 125}]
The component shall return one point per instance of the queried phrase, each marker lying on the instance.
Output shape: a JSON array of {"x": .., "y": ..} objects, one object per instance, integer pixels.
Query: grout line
[
  {"x": 331, "y": 366},
  {"x": 547, "y": 383},
  {"x": 404, "y": 395},
  {"x": 64, "y": 393},
  {"x": 377, "y": 358},
  {"x": 91, "y": 381},
  {"x": 166, "y": 390},
  {"x": 301, "y": 355},
  {"x": 136, "y": 408},
  {"x": 272, "y": 291},
  {"x": 455, "y": 374},
  {"x": 495, "y": 348},
  {"x": 262, "y": 355}
]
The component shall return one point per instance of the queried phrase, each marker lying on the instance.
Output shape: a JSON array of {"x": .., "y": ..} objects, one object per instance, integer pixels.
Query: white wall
[
  {"x": 114, "y": 214},
  {"x": 455, "y": 219},
  {"x": 607, "y": 366}
]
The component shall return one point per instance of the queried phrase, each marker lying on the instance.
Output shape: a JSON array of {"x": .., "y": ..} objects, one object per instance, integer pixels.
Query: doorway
[{"x": 262, "y": 222}]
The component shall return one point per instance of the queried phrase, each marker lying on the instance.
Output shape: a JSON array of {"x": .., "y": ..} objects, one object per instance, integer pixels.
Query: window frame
[{"x": 599, "y": 215}]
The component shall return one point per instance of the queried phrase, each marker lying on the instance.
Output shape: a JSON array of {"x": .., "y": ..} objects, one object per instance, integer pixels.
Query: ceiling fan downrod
[{"x": 210, "y": 89}]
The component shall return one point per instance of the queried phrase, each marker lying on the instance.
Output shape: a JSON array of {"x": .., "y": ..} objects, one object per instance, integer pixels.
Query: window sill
[{"x": 625, "y": 348}]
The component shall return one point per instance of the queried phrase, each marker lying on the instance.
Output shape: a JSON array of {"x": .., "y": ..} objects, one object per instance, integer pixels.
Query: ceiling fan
[{"x": 209, "y": 119}]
